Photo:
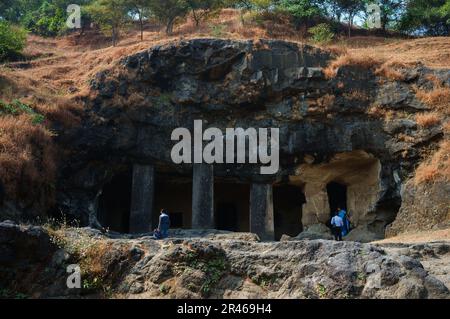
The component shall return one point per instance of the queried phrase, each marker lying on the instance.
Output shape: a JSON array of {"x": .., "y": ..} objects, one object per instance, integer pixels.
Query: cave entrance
[
  {"x": 114, "y": 203},
  {"x": 288, "y": 201},
  {"x": 337, "y": 196},
  {"x": 232, "y": 205},
  {"x": 173, "y": 193}
]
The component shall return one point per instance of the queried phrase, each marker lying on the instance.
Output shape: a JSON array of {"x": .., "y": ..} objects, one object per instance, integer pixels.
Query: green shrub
[
  {"x": 16, "y": 107},
  {"x": 12, "y": 41},
  {"x": 321, "y": 33},
  {"x": 49, "y": 20}
]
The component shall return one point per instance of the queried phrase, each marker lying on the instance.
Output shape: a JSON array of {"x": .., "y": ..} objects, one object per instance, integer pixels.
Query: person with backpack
[{"x": 346, "y": 227}]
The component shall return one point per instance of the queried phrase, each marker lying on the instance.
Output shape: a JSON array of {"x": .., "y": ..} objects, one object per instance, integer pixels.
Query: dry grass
[
  {"x": 365, "y": 62},
  {"x": 432, "y": 52},
  {"x": 437, "y": 167},
  {"x": 418, "y": 237},
  {"x": 27, "y": 159},
  {"x": 326, "y": 101},
  {"x": 355, "y": 95},
  {"x": 438, "y": 98},
  {"x": 446, "y": 127},
  {"x": 427, "y": 120},
  {"x": 394, "y": 70}
]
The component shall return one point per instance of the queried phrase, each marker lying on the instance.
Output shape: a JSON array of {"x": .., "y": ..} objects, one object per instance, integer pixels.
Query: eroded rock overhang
[{"x": 327, "y": 133}]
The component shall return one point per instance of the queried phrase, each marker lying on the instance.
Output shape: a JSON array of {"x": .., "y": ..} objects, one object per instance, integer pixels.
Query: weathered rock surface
[
  {"x": 210, "y": 268},
  {"x": 134, "y": 107},
  {"x": 425, "y": 207},
  {"x": 434, "y": 256}
]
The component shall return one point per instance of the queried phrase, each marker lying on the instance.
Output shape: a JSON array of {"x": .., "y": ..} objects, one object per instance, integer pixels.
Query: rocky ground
[{"x": 212, "y": 264}]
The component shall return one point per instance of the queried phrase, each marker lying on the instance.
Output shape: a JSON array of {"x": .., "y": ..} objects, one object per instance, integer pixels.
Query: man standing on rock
[{"x": 337, "y": 223}]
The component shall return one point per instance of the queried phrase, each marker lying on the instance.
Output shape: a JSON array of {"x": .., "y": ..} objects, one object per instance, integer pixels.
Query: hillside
[{"x": 84, "y": 129}]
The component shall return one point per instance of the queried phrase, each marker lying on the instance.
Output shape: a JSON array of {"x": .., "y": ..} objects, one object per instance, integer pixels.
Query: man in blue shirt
[
  {"x": 163, "y": 226},
  {"x": 337, "y": 223},
  {"x": 346, "y": 227}
]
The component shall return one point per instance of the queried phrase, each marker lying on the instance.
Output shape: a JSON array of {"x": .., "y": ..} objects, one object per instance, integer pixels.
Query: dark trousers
[{"x": 337, "y": 232}]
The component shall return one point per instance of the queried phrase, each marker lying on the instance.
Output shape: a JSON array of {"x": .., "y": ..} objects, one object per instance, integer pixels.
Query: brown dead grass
[
  {"x": 427, "y": 120},
  {"x": 446, "y": 127},
  {"x": 437, "y": 167},
  {"x": 438, "y": 98},
  {"x": 365, "y": 62},
  {"x": 355, "y": 95},
  {"x": 418, "y": 237},
  {"x": 326, "y": 101},
  {"x": 433, "y": 52},
  {"x": 394, "y": 70},
  {"x": 27, "y": 159}
]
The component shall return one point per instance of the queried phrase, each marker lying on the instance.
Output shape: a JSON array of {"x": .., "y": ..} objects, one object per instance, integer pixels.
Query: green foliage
[
  {"x": 214, "y": 268},
  {"x": 17, "y": 107},
  {"x": 163, "y": 289},
  {"x": 321, "y": 33},
  {"x": 445, "y": 11},
  {"x": 202, "y": 10},
  {"x": 8, "y": 294},
  {"x": 48, "y": 20},
  {"x": 322, "y": 291},
  {"x": 12, "y": 41},
  {"x": 169, "y": 11},
  {"x": 264, "y": 280},
  {"x": 301, "y": 9},
  {"x": 92, "y": 284},
  {"x": 110, "y": 15},
  {"x": 263, "y": 5},
  {"x": 428, "y": 17}
]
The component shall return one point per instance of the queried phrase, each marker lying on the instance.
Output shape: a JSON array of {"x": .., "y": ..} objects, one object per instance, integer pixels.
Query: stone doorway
[
  {"x": 173, "y": 193},
  {"x": 337, "y": 197},
  {"x": 288, "y": 201},
  {"x": 232, "y": 205},
  {"x": 227, "y": 216},
  {"x": 114, "y": 203}
]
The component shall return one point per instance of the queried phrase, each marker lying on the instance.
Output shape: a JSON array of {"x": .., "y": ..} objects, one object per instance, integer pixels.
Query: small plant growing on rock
[
  {"x": 214, "y": 265},
  {"x": 264, "y": 280},
  {"x": 163, "y": 289},
  {"x": 322, "y": 291}
]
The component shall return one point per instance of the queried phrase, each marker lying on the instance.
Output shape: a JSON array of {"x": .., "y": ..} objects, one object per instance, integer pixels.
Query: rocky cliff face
[
  {"x": 329, "y": 131},
  {"x": 356, "y": 127},
  {"x": 211, "y": 265}
]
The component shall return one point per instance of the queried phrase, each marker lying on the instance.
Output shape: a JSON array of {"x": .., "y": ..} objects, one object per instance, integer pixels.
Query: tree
[
  {"x": 141, "y": 9},
  {"x": 168, "y": 11},
  {"x": 445, "y": 11},
  {"x": 351, "y": 8},
  {"x": 48, "y": 20},
  {"x": 110, "y": 15},
  {"x": 203, "y": 9},
  {"x": 301, "y": 10},
  {"x": 333, "y": 8},
  {"x": 425, "y": 17},
  {"x": 12, "y": 41}
]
